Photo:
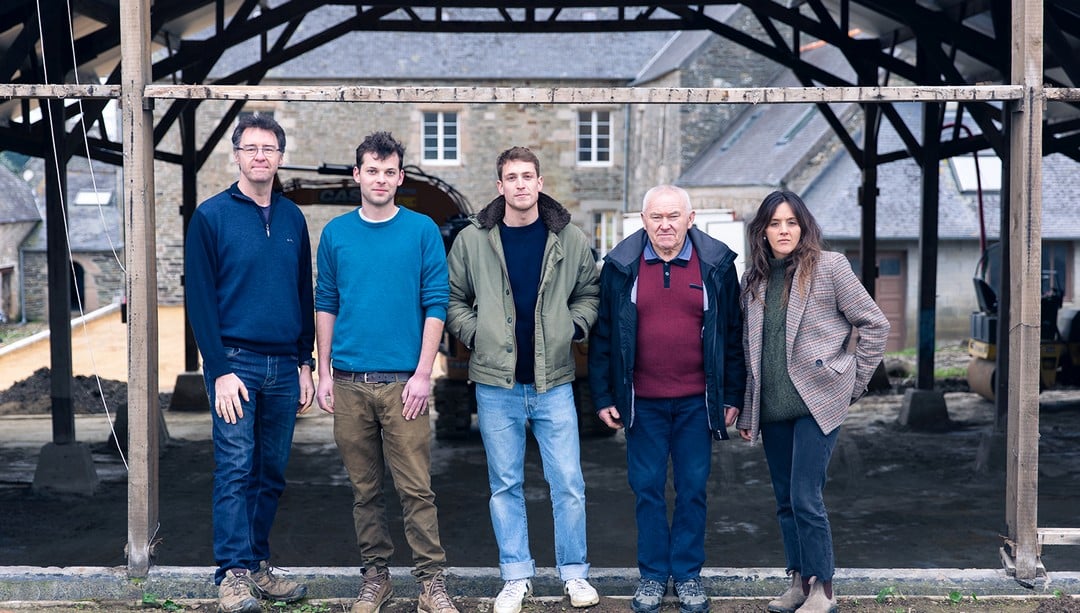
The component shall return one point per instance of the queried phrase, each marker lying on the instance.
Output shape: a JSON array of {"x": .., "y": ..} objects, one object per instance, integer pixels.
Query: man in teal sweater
[{"x": 380, "y": 304}]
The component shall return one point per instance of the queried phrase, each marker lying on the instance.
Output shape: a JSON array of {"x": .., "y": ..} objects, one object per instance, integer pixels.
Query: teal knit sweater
[{"x": 779, "y": 399}]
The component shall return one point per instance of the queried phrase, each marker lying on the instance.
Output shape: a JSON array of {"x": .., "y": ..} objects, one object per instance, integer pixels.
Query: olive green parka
[{"x": 481, "y": 311}]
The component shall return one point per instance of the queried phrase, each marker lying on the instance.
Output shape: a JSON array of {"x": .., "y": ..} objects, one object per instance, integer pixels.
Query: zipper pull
[{"x": 267, "y": 230}]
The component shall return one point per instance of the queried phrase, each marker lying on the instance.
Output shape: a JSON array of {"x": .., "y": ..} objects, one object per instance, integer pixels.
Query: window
[
  {"x": 594, "y": 137},
  {"x": 605, "y": 231},
  {"x": 86, "y": 197},
  {"x": 440, "y": 138},
  {"x": 963, "y": 167}
]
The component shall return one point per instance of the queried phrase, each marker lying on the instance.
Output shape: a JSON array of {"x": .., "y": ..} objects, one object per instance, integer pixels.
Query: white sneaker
[
  {"x": 513, "y": 593},
  {"x": 581, "y": 593}
]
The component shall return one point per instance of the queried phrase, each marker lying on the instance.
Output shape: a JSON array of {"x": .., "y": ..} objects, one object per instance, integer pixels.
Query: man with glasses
[{"x": 250, "y": 302}]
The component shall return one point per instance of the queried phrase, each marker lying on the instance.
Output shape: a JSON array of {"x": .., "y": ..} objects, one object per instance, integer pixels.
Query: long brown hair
[{"x": 805, "y": 256}]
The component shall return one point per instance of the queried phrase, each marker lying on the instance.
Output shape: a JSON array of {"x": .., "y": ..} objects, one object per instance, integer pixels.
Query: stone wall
[
  {"x": 103, "y": 282},
  {"x": 323, "y": 132}
]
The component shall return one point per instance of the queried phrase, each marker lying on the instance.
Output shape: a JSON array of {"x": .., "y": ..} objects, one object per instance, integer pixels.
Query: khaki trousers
[{"x": 371, "y": 436}]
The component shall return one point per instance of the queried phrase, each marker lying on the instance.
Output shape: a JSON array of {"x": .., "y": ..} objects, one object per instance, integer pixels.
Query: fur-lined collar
[{"x": 553, "y": 214}]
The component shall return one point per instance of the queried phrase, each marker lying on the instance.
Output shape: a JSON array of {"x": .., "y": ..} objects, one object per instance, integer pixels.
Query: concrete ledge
[
  {"x": 32, "y": 583},
  {"x": 44, "y": 334}
]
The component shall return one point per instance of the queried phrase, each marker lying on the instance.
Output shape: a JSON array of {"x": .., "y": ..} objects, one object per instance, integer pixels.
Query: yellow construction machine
[{"x": 1059, "y": 362}]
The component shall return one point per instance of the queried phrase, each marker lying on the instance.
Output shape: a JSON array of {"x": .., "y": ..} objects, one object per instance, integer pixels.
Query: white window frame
[
  {"x": 606, "y": 226},
  {"x": 593, "y": 149},
  {"x": 441, "y": 148}
]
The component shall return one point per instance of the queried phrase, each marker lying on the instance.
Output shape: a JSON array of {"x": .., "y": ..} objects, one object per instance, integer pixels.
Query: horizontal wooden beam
[
  {"x": 18, "y": 90},
  {"x": 1059, "y": 536},
  {"x": 1062, "y": 93},
  {"x": 542, "y": 95},
  {"x": 586, "y": 95}
]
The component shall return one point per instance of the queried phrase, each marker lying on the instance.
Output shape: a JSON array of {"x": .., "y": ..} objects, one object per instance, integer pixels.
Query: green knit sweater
[{"x": 779, "y": 399}]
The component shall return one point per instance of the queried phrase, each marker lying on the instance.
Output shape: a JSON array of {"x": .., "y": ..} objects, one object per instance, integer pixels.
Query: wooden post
[
  {"x": 1025, "y": 268},
  {"x": 868, "y": 195},
  {"x": 928, "y": 246},
  {"x": 60, "y": 276},
  {"x": 143, "y": 409}
]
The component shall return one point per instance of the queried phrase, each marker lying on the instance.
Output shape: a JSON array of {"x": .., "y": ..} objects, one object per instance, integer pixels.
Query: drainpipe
[
  {"x": 626, "y": 161},
  {"x": 22, "y": 286}
]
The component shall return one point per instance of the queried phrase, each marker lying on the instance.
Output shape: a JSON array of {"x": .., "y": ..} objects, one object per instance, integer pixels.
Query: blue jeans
[
  {"x": 798, "y": 454},
  {"x": 250, "y": 458},
  {"x": 679, "y": 428},
  {"x": 503, "y": 414}
]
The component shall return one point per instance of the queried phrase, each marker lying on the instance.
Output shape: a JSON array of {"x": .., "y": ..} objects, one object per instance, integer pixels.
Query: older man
[{"x": 666, "y": 362}]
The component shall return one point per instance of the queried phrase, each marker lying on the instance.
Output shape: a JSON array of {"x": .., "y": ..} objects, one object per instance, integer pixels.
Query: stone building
[
  {"x": 598, "y": 160},
  {"x": 18, "y": 217},
  {"x": 95, "y": 237}
]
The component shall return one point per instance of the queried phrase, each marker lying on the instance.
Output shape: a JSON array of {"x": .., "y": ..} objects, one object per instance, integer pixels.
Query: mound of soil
[{"x": 33, "y": 395}]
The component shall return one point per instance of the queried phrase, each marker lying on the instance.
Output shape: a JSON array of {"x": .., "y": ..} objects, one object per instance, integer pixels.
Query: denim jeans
[
  {"x": 798, "y": 454},
  {"x": 371, "y": 435},
  {"x": 503, "y": 414},
  {"x": 250, "y": 458},
  {"x": 679, "y": 428}
]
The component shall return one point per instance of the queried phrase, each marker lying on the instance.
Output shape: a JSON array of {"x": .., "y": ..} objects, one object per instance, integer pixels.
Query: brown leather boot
[
  {"x": 433, "y": 596},
  {"x": 821, "y": 598},
  {"x": 792, "y": 598},
  {"x": 376, "y": 591}
]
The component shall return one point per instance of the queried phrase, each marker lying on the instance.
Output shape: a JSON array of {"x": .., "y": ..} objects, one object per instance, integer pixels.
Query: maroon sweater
[{"x": 670, "y": 362}]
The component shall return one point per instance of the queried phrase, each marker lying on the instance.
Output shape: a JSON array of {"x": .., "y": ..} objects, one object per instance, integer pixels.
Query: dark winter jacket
[{"x": 613, "y": 339}]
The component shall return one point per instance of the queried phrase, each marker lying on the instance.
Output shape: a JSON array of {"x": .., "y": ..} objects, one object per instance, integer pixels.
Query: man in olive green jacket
[{"x": 523, "y": 287}]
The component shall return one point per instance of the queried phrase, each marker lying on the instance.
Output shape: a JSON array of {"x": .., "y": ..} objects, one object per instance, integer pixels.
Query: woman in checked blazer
[{"x": 801, "y": 305}]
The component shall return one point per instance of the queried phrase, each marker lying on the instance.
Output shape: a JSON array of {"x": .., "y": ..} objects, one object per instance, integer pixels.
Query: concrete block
[
  {"x": 65, "y": 469},
  {"x": 189, "y": 394},
  {"x": 990, "y": 458},
  {"x": 924, "y": 410}
]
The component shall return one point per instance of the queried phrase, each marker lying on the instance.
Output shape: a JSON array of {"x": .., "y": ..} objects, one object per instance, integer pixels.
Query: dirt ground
[{"x": 897, "y": 498}]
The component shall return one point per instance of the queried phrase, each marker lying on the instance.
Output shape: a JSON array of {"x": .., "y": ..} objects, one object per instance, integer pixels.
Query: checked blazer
[{"x": 820, "y": 320}]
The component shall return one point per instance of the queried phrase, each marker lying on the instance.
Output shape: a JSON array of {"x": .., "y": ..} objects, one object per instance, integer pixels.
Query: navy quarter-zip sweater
[{"x": 248, "y": 283}]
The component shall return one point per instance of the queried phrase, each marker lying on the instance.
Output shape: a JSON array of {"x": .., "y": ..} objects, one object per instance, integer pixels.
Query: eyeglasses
[{"x": 266, "y": 150}]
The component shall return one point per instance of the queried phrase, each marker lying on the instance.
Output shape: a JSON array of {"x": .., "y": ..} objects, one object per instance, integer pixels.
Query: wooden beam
[
  {"x": 1067, "y": 94},
  {"x": 140, "y": 249},
  {"x": 1059, "y": 536},
  {"x": 17, "y": 90},
  {"x": 586, "y": 95},
  {"x": 1025, "y": 270}
]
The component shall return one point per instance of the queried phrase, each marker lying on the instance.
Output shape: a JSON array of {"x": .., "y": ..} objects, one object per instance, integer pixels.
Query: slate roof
[
  {"x": 603, "y": 56},
  {"x": 758, "y": 149},
  {"x": 680, "y": 48},
  {"x": 90, "y": 228},
  {"x": 833, "y": 196},
  {"x": 16, "y": 199}
]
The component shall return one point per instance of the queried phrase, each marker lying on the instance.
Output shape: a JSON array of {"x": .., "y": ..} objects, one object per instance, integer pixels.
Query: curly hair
[{"x": 380, "y": 145}]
